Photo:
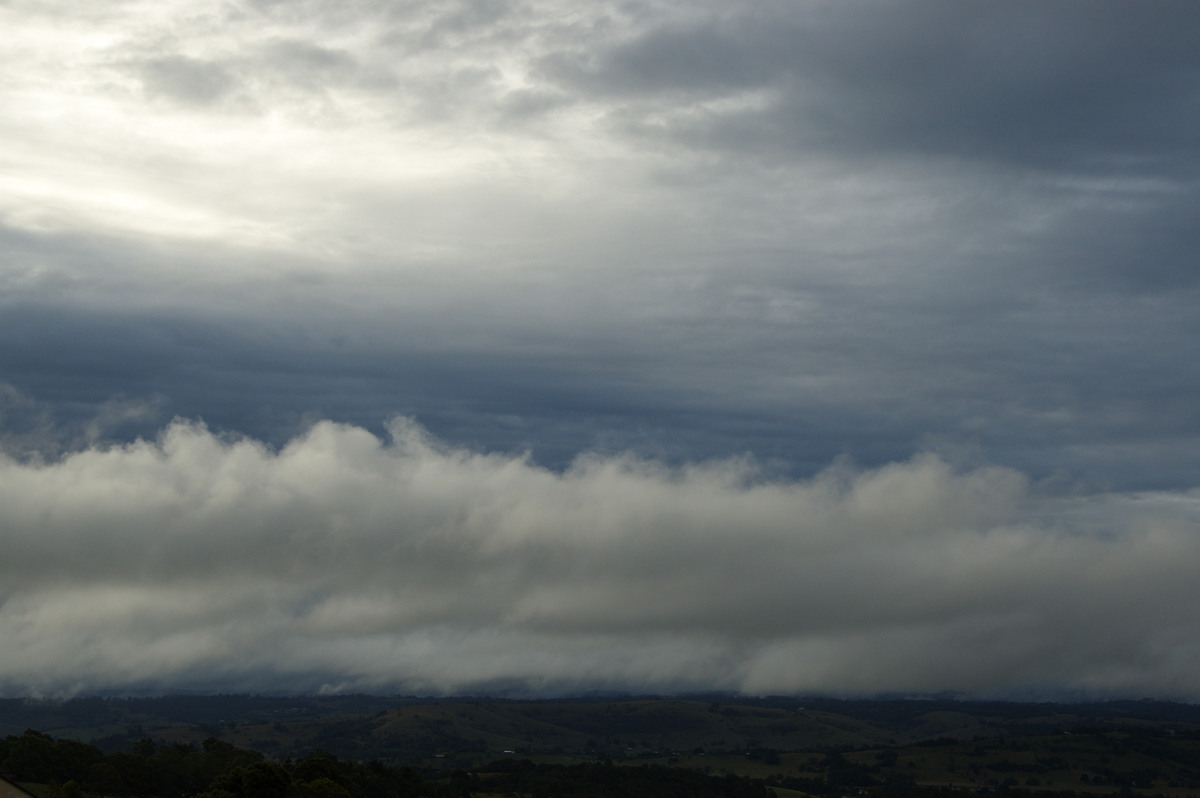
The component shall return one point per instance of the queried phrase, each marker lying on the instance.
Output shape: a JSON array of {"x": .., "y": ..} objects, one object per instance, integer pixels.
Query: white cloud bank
[{"x": 347, "y": 562}]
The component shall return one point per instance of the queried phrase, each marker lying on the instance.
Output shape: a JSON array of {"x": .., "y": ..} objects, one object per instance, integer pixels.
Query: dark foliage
[
  {"x": 215, "y": 770},
  {"x": 606, "y": 780},
  {"x": 220, "y": 770}
]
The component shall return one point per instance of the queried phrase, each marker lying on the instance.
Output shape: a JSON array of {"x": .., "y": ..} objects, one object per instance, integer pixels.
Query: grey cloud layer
[
  {"x": 847, "y": 228},
  {"x": 347, "y": 562}
]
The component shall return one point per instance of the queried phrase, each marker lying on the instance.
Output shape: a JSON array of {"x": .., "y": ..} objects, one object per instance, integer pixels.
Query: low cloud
[{"x": 343, "y": 561}]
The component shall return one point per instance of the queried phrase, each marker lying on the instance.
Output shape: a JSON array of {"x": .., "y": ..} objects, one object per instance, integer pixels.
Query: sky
[{"x": 540, "y": 347}]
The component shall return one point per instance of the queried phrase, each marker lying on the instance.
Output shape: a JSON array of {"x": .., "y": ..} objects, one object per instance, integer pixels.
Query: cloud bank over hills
[{"x": 347, "y": 562}]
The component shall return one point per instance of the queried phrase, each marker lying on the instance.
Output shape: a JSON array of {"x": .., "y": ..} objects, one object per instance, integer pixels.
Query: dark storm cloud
[
  {"x": 1135, "y": 242},
  {"x": 1043, "y": 380},
  {"x": 1108, "y": 88}
]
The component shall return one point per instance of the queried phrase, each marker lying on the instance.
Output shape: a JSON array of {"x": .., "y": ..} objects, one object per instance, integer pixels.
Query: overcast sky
[{"x": 646, "y": 345}]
